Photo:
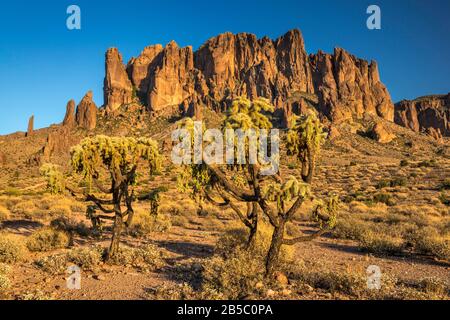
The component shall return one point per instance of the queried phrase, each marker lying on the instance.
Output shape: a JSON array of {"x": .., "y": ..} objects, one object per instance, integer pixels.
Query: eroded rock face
[
  {"x": 381, "y": 134},
  {"x": 231, "y": 65},
  {"x": 424, "y": 113},
  {"x": 118, "y": 89},
  {"x": 69, "y": 118},
  {"x": 86, "y": 115},
  {"x": 347, "y": 86}
]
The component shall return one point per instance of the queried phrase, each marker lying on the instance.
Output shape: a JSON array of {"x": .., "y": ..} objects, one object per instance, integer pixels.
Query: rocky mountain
[
  {"x": 430, "y": 114},
  {"x": 168, "y": 78}
]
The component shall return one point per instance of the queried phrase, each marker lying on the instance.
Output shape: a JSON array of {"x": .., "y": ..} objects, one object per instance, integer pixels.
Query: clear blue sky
[{"x": 43, "y": 65}]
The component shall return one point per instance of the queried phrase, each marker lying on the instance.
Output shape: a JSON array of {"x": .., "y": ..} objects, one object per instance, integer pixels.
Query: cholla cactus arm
[
  {"x": 304, "y": 141},
  {"x": 54, "y": 177},
  {"x": 326, "y": 215}
]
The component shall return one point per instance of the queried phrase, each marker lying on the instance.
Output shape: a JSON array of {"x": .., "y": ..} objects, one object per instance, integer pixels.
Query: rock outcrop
[
  {"x": 117, "y": 86},
  {"x": 69, "y": 118},
  {"x": 381, "y": 134},
  {"x": 229, "y": 65},
  {"x": 30, "y": 128},
  {"x": 347, "y": 86},
  {"x": 86, "y": 115},
  {"x": 423, "y": 114}
]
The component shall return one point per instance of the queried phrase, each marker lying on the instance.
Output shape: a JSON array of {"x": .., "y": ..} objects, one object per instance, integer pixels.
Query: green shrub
[
  {"x": 445, "y": 185},
  {"x": 351, "y": 229},
  {"x": 86, "y": 258},
  {"x": 144, "y": 223},
  {"x": 54, "y": 264},
  {"x": 4, "y": 214},
  {"x": 11, "y": 250},
  {"x": 47, "y": 239},
  {"x": 404, "y": 163},
  {"x": 381, "y": 243},
  {"x": 383, "y": 198},
  {"x": 147, "y": 257}
]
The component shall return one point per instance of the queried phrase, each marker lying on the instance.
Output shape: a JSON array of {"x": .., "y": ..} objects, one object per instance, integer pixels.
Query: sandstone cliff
[
  {"x": 430, "y": 114},
  {"x": 163, "y": 78}
]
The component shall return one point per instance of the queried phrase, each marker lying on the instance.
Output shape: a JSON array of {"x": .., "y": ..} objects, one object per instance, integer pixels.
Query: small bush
[
  {"x": 351, "y": 229},
  {"x": 54, "y": 264},
  {"x": 445, "y": 185},
  {"x": 383, "y": 198},
  {"x": 86, "y": 258},
  {"x": 69, "y": 225},
  {"x": 5, "y": 284},
  {"x": 4, "y": 214},
  {"x": 434, "y": 286},
  {"x": 233, "y": 277},
  {"x": 428, "y": 241},
  {"x": 11, "y": 250},
  {"x": 381, "y": 243},
  {"x": 404, "y": 163},
  {"x": 47, "y": 239},
  {"x": 145, "y": 223},
  {"x": 148, "y": 257}
]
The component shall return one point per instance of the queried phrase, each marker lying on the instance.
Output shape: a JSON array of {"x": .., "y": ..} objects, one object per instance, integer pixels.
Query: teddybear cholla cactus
[
  {"x": 229, "y": 185},
  {"x": 117, "y": 158}
]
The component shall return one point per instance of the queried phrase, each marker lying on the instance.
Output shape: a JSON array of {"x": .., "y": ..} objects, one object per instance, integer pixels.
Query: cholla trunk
[
  {"x": 117, "y": 230},
  {"x": 275, "y": 246}
]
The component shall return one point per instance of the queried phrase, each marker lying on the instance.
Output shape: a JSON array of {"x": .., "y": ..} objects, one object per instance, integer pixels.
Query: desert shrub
[
  {"x": 233, "y": 277},
  {"x": 147, "y": 257},
  {"x": 396, "y": 182},
  {"x": 434, "y": 286},
  {"x": 145, "y": 223},
  {"x": 4, "y": 280},
  {"x": 381, "y": 243},
  {"x": 179, "y": 221},
  {"x": 86, "y": 258},
  {"x": 35, "y": 295},
  {"x": 70, "y": 225},
  {"x": 383, "y": 198},
  {"x": 428, "y": 241},
  {"x": 426, "y": 163},
  {"x": 344, "y": 282},
  {"x": 237, "y": 238},
  {"x": 4, "y": 214},
  {"x": 26, "y": 208},
  {"x": 11, "y": 250},
  {"x": 445, "y": 185},
  {"x": 47, "y": 239},
  {"x": 445, "y": 199},
  {"x": 349, "y": 228},
  {"x": 5, "y": 283},
  {"x": 404, "y": 163},
  {"x": 53, "y": 264}
]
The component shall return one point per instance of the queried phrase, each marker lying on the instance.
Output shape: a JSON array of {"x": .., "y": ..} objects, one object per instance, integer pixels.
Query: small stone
[
  {"x": 281, "y": 278},
  {"x": 286, "y": 292},
  {"x": 259, "y": 285},
  {"x": 98, "y": 277},
  {"x": 270, "y": 293}
]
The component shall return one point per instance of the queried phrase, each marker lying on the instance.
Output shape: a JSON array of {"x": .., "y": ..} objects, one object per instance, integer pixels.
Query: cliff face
[
  {"x": 347, "y": 86},
  {"x": 231, "y": 65},
  {"x": 428, "y": 114}
]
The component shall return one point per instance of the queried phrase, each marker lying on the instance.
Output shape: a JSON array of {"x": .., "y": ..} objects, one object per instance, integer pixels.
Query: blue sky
[{"x": 43, "y": 65}]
